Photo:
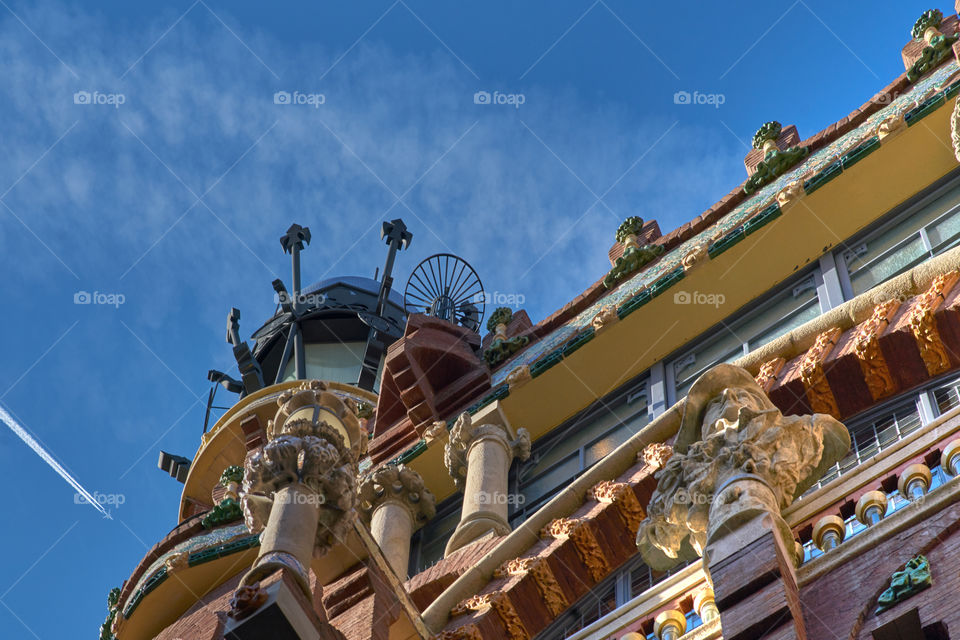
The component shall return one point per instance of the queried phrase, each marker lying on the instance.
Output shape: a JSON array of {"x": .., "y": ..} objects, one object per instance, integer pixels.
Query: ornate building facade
[{"x": 748, "y": 428}]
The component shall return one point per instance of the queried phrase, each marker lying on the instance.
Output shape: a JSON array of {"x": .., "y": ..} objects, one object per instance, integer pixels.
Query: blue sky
[{"x": 176, "y": 198}]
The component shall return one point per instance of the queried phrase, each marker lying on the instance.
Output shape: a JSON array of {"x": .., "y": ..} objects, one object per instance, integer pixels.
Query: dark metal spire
[{"x": 293, "y": 243}]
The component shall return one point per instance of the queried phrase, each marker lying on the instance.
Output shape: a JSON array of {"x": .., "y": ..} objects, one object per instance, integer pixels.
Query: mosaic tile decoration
[
  {"x": 817, "y": 161},
  {"x": 196, "y": 543}
]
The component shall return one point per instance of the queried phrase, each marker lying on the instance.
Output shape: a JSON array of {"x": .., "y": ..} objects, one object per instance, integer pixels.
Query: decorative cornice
[
  {"x": 606, "y": 318},
  {"x": 655, "y": 455},
  {"x": 790, "y": 194},
  {"x": 890, "y": 127},
  {"x": 622, "y": 495},
  {"x": 466, "y": 632},
  {"x": 924, "y": 324},
  {"x": 811, "y": 372},
  {"x": 436, "y": 431},
  {"x": 579, "y": 531},
  {"x": 866, "y": 346},
  {"x": 501, "y": 604},
  {"x": 519, "y": 377},
  {"x": 768, "y": 373},
  {"x": 546, "y": 582},
  {"x": 699, "y": 254}
]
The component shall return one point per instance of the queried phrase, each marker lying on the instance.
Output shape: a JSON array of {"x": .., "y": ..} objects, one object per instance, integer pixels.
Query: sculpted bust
[{"x": 736, "y": 456}]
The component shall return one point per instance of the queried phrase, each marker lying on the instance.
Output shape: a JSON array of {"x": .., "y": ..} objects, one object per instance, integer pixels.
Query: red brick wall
[{"x": 841, "y": 603}]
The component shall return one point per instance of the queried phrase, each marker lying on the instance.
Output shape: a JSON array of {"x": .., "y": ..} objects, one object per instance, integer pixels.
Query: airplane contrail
[{"x": 46, "y": 457}]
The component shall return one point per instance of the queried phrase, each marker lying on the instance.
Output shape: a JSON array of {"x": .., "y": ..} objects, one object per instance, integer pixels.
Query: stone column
[
  {"x": 478, "y": 456},
  {"x": 394, "y": 503},
  {"x": 300, "y": 489}
]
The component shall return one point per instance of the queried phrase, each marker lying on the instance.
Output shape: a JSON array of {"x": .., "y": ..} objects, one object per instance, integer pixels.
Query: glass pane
[
  {"x": 550, "y": 476},
  {"x": 866, "y": 271},
  {"x": 723, "y": 347},
  {"x": 797, "y": 316},
  {"x": 640, "y": 580},
  {"x": 944, "y": 232},
  {"x": 947, "y": 396},
  {"x": 908, "y": 421},
  {"x": 336, "y": 362},
  {"x": 613, "y": 439}
]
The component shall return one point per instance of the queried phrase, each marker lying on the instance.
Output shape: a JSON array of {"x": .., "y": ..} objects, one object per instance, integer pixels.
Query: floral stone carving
[
  {"x": 400, "y": 484},
  {"x": 912, "y": 579},
  {"x": 736, "y": 457}
]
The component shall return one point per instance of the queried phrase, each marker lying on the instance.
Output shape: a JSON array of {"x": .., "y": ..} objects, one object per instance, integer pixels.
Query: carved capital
[
  {"x": 312, "y": 410},
  {"x": 400, "y": 484},
  {"x": 300, "y": 488}
]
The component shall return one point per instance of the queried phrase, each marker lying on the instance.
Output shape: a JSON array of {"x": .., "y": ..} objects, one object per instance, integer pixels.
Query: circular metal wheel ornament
[{"x": 447, "y": 287}]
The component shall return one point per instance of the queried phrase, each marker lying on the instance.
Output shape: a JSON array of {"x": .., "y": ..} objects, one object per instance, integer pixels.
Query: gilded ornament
[
  {"x": 923, "y": 323},
  {"x": 811, "y": 372},
  {"x": 768, "y": 373},
  {"x": 866, "y": 346}
]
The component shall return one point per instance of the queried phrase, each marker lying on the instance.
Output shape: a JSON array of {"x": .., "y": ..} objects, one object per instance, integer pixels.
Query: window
[
  {"x": 787, "y": 308},
  {"x": 334, "y": 361},
  {"x": 871, "y": 435},
  {"x": 925, "y": 229},
  {"x": 606, "y": 597},
  {"x": 575, "y": 446},
  {"x": 947, "y": 397}
]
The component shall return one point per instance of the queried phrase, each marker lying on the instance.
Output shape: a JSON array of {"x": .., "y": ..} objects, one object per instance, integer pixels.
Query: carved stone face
[{"x": 723, "y": 411}]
